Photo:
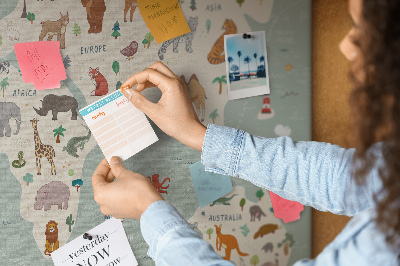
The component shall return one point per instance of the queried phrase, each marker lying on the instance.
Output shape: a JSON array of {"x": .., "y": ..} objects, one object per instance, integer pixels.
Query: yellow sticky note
[{"x": 164, "y": 18}]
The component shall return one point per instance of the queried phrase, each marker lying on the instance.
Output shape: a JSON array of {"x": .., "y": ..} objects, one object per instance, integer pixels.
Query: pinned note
[
  {"x": 118, "y": 126},
  {"x": 107, "y": 244},
  {"x": 209, "y": 186},
  {"x": 284, "y": 209},
  {"x": 164, "y": 18},
  {"x": 41, "y": 63}
]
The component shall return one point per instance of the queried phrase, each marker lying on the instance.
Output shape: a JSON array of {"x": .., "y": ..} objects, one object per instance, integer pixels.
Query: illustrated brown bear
[{"x": 95, "y": 12}]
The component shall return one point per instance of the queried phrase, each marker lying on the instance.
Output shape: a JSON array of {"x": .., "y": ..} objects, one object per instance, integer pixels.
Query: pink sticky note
[
  {"x": 284, "y": 209},
  {"x": 41, "y": 63}
]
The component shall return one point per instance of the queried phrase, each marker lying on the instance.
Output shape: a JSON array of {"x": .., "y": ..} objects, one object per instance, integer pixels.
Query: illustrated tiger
[
  {"x": 216, "y": 56},
  {"x": 99, "y": 81}
]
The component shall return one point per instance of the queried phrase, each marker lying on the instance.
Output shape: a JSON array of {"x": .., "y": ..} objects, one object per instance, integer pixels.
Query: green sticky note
[{"x": 209, "y": 186}]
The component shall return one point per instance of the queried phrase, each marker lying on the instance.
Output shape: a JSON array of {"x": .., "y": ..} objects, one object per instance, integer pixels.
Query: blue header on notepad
[{"x": 102, "y": 102}]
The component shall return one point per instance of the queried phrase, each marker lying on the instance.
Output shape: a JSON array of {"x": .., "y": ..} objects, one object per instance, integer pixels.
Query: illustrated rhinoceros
[{"x": 53, "y": 193}]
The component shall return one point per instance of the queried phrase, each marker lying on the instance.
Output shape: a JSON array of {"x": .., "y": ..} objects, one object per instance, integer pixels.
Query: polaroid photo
[{"x": 246, "y": 64}]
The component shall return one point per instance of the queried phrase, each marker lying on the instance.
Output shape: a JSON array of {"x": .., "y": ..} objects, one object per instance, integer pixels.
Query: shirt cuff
[
  {"x": 221, "y": 150},
  {"x": 159, "y": 218}
]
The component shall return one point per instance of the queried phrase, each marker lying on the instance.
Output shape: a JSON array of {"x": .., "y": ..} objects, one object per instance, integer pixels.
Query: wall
[{"x": 331, "y": 89}]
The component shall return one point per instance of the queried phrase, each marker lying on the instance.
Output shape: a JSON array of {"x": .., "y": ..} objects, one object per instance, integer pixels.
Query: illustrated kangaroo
[{"x": 228, "y": 242}]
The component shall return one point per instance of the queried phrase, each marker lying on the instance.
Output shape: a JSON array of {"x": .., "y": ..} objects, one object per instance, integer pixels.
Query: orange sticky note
[
  {"x": 164, "y": 18},
  {"x": 41, "y": 63},
  {"x": 284, "y": 209}
]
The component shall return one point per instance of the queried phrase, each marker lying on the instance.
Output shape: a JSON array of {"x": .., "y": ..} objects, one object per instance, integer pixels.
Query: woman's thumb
[
  {"x": 116, "y": 166},
  {"x": 138, "y": 100}
]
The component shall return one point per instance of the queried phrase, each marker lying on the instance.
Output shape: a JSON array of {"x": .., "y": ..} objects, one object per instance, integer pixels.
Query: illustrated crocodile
[
  {"x": 77, "y": 142},
  {"x": 222, "y": 201}
]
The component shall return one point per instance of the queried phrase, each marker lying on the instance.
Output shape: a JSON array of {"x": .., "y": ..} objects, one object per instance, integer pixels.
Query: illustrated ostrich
[{"x": 130, "y": 50}]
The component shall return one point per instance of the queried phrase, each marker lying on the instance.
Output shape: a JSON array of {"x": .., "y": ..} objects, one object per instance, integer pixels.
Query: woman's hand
[
  {"x": 174, "y": 113},
  {"x": 127, "y": 197}
]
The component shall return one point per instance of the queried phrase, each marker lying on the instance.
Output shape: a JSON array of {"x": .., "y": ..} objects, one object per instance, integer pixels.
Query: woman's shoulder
[{"x": 361, "y": 240}]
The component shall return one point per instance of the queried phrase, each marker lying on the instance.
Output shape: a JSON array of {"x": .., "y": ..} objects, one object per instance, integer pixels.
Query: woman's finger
[
  {"x": 100, "y": 174},
  {"x": 142, "y": 86},
  {"x": 160, "y": 67},
  {"x": 159, "y": 80},
  {"x": 110, "y": 177}
]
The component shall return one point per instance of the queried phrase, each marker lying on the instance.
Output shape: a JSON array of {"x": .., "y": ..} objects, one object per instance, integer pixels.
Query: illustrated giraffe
[{"x": 42, "y": 150}]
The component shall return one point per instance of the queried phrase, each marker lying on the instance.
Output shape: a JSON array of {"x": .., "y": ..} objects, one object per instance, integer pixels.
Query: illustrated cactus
[{"x": 70, "y": 222}]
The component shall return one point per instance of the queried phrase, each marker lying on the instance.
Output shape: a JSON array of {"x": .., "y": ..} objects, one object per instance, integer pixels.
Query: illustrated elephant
[
  {"x": 9, "y": 110},
  {"x": 55, "y": 103}
]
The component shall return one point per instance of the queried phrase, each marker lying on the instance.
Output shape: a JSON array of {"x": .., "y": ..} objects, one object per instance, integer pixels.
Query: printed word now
[{"x": 93, "y": 259}]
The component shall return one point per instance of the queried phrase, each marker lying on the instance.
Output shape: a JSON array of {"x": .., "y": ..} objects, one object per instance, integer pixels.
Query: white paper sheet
[{"x": 109, "y": 246}]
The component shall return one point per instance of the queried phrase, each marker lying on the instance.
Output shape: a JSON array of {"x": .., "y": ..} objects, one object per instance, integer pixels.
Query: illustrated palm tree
[
  {"x": 255, "y": 58},
  {"x": 214, "y": 115},
  {"x": 220, "y": 80},
  {"x": 239, "y": 54},
  {"x": 230, "y": 60},
  {"x": 4, "y": 84},
  {"x": 262, "y": 59},
  {"x": 247, "y": 61},
  {"x": 57, "y": 132}
]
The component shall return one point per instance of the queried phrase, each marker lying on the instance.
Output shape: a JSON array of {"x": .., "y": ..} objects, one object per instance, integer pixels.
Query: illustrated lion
[{"x": 52, "y": 243}]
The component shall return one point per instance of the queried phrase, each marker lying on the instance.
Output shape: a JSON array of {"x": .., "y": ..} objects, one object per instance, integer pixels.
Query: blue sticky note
[{"x": 209, "y": 186}]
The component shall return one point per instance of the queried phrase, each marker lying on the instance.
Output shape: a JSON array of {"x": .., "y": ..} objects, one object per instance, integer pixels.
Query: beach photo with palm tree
[{"x": 246, "y": 65}]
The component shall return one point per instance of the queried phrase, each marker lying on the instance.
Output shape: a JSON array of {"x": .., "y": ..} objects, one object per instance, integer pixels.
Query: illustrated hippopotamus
[{"x": 53, "y": 193}]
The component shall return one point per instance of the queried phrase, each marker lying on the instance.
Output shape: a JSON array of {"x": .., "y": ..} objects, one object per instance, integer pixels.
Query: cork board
[
  {"x": 98, "y": 54},
  {"x": 331, "y": 88}
]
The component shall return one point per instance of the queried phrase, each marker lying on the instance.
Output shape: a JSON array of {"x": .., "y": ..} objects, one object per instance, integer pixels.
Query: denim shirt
[{"x": 312, "y": 173}]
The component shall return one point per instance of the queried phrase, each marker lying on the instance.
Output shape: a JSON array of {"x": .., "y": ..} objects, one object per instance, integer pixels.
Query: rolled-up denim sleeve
[
  {"x": 313, "y": 173},
  {"x": 172, "y": 241}
]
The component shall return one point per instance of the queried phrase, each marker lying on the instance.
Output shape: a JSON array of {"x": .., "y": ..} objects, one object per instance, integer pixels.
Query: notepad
[{"x": 118, "y": 126}]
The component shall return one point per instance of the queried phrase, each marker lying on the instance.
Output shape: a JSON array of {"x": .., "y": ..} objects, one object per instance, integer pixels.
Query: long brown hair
[{"x": 375, "y": 103}]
